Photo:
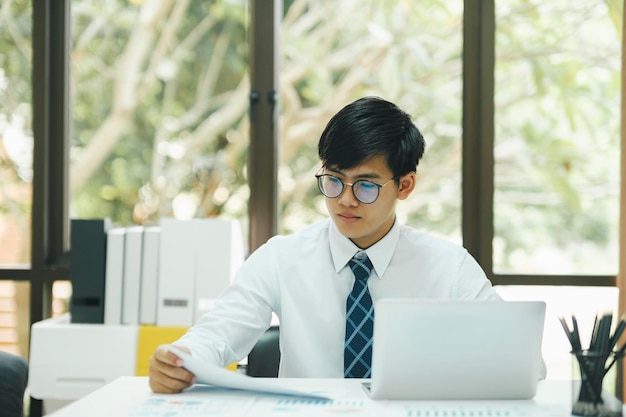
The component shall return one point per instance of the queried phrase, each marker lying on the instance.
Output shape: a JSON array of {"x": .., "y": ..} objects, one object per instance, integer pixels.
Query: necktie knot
[{"x": 361, "y": 266}]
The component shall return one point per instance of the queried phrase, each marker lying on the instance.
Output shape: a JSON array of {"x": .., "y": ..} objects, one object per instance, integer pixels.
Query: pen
[
  {"x": 576, "y": 335},
  {"x": 621, "y": 325},
  {"x": 616, "y": 356}
]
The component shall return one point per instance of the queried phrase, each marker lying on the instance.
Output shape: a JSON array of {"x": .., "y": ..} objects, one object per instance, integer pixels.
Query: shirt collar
[{"x": 342, "y": 249}]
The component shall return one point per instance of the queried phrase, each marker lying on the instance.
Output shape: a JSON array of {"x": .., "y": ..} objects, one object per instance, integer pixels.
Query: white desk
[{"x": 131, "y": 397}]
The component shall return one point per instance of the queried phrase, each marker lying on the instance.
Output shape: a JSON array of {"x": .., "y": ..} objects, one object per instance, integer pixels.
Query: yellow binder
[{"x": 150, "y": 337}]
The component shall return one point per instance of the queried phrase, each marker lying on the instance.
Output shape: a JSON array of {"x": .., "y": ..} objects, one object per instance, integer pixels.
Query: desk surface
[{"x": 132, "y": 397}]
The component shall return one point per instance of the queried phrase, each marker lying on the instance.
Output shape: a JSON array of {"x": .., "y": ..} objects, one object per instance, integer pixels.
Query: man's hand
[{"x": 166, "y": 374}]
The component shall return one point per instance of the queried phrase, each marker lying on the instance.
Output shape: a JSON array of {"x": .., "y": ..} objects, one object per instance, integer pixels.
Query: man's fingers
[
  {"x": 163, "y": 355},
  {"x": 163, "y": 383},
  {"x": 159, "y": 388},
  {"x": 166, "y": 374}
]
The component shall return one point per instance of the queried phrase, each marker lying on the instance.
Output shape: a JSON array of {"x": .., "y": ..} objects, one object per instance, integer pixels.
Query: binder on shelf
[
  {"x": 149, "y": 275},
  {"x": 88, "y": 246},
  {"x": 219, "y": 253},
  {"x": 114, "y": 276},
  {"x": 198, "y": 260},
  {"x": 176, "y": 273},
  {"x": 132, "y": 274}
]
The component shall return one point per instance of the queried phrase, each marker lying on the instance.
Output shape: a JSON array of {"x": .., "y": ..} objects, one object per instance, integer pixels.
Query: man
[{"x": 369, "y": 153}]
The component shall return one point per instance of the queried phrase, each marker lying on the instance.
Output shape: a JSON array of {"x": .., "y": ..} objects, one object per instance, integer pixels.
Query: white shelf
[{"x": 70, "y": 360}]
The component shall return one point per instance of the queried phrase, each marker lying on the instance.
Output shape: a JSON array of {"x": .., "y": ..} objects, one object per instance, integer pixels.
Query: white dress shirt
[{"x": 304, "y": 278}]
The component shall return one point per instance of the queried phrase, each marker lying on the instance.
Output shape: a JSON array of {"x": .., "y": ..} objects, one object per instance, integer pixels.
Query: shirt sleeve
[
  {"x": 243, "y": 312},
  {"x": 472, "y": 283}
]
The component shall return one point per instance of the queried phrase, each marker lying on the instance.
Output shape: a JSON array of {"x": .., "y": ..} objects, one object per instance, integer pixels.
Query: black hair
[{"x": 371, "y": 127}]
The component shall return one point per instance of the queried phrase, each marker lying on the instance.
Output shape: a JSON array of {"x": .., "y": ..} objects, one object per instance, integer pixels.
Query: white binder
[
  {"x": 219, "y": 253},
  {"x": 198, "y": 260},
  {"x": 176, "y": 273},
  {"x": 114, "y": 276},
  {"x": 132, "y": 274},
  {"x": 149, "y": 275}
]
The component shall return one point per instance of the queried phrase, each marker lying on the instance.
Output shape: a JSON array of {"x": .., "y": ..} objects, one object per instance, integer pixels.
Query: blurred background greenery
[{"x": 159, "y": 94}]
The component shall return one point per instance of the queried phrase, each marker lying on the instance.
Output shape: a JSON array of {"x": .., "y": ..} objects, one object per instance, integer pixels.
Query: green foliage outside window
[{"x": 159, "y": 96}]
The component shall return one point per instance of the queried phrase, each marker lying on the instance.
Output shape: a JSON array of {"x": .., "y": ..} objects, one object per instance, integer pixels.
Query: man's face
[{"x": 366, "y": 224}]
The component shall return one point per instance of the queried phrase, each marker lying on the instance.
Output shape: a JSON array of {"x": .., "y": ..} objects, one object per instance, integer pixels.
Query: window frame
[{"x": 479, "y": 24}]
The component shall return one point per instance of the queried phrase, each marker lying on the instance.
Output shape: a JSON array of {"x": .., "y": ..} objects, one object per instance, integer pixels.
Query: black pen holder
[{"x": 597, "y": 388}]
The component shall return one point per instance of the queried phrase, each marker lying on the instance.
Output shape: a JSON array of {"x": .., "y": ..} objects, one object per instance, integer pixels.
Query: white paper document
[
  {"x": 213, "y": 375},
  {"x": 303, "y": 407},
  {"x": 189, "y": 406}
]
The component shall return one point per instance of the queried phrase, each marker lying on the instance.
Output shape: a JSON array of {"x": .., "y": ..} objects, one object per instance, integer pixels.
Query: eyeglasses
[{"x": 365, "y": 191}]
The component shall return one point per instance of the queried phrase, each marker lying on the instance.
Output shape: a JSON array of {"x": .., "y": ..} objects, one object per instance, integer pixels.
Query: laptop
[{"x": 456, "y": 350}]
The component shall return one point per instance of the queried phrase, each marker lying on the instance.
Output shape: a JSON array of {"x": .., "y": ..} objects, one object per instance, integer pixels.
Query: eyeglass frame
[{"x": 343, "y": 186}]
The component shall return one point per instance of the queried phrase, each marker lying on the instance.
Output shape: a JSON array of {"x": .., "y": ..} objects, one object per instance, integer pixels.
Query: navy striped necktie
[{"x": 359, "y": 321}]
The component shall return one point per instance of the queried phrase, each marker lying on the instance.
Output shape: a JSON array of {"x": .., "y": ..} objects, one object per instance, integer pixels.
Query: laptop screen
[{"x": 435, "y": 349}]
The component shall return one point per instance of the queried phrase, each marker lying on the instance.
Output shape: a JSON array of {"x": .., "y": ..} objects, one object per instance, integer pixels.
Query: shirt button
[{"x": 360, "y": 255}]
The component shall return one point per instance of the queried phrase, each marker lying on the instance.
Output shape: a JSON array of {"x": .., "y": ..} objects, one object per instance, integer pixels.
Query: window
[
  {"x": 16, "y": 173},
  {"x": 405, "y": 51},
  {"x": 16, "y": 136},
  {"x": 159, "y": 114},
  {"x": 557, "y": 135}
]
